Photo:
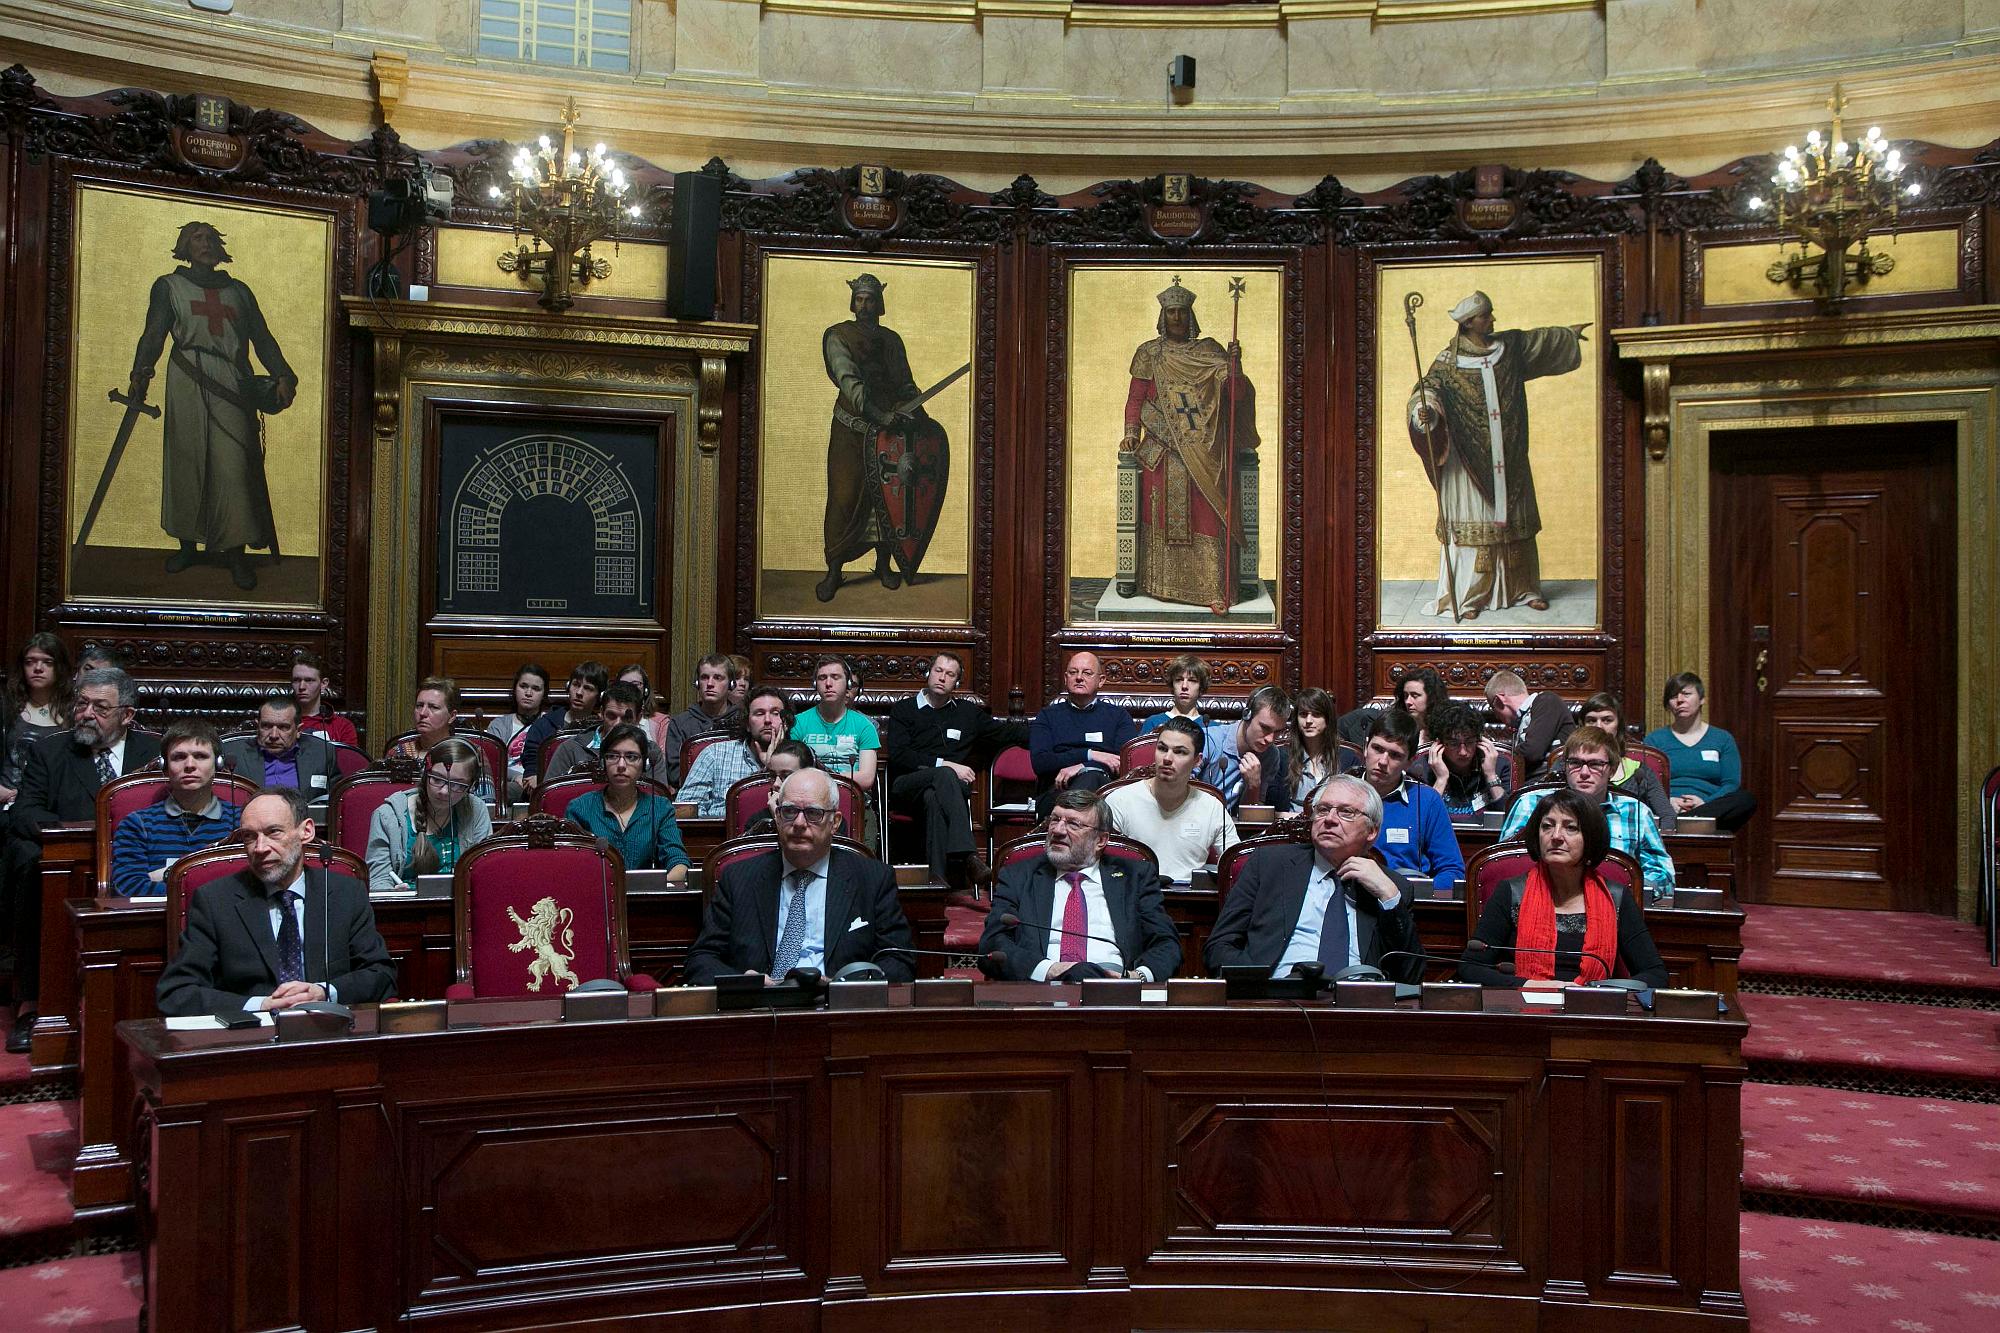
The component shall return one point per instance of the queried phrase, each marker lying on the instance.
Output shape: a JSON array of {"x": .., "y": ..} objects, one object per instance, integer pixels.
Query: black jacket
[
  {"x": 229, "y": 951},
  {"x": 1139, "y": 922},
  {"x": 1262, "y": 911},
  {"x": 59, "y": 780},
  {"x": 739, "y": 929}
]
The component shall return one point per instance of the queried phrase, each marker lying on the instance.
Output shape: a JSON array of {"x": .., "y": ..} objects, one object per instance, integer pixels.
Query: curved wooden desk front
[{"x": 1009, "y": 1165}]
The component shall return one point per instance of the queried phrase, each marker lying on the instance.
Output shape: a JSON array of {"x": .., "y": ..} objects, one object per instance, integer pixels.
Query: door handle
[{"x": 1763, "y": 660}]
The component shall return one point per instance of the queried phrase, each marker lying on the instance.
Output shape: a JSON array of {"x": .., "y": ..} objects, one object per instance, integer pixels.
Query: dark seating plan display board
[{"x": 551, "y": 516}]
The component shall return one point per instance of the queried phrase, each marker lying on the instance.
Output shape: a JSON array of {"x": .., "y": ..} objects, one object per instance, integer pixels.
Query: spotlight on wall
[{"x": 1180, "y": 80}]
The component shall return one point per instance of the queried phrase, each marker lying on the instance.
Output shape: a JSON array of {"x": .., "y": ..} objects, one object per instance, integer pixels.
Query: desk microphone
[
  {"x": 1572, "y": 955},
  {"x": 1009, "y": 920},
  {"x": 983, "y": 958}
]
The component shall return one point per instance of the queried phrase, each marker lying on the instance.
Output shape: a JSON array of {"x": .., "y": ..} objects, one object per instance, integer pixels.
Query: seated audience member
[
  {"x": 237, "y": 926},
  {"x": 97, "y": 656},
  {"x": 280, "y": 754},
  {"x": 1415, "y": 835},
  {"x": 1706, "y": 770},
  {"x": 1628, "y": 775},
  {"x": 781, "y": 761},
  {"x": 59, "y": 782},
  {"x": 309, "y": 688},
  {"x": 738, "y": 692},
  {"x": 935, "y": 739},
  {"x": 1185, "y": 828},
  {"x": 710, "y": 712},
  {"x": 583, "y": 693},
  {"x": 842, "y": 737},
  {"x": 651, "y": 720},
  {"x": 619, "y": 708},
  {"x": 639, "y": 824},
  {"x": 1562, "y": 921},
  {"x": 767, "y": 721},
  {"x": 37, "y": 703},
  {"x": 1588, "y": 758},
  {"x": 1242, "y": 760},
  {"x": 425, "y": 830},
  {"x": 1313, "y": 749},
  {"x": 1328, "y": 901},
  {"x": 187, "y": 817},
  {"x": 1462, "y": 764},
  {"x": 1187, "y": 677},
  {"x": 807, "y": 904},
  {"x": 1418, "y": 691},
  {"x": 1077, "y": 914},
  {"x": 1540, "y": 721},
  {"x": 530, "y": 692},
  {"x": 1075, "y": 741}
]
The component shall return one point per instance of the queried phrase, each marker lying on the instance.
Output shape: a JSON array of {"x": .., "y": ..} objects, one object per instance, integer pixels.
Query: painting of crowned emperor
[
  {"x": 1173, "y": 473},
  {"x": 197, "y": 410}
]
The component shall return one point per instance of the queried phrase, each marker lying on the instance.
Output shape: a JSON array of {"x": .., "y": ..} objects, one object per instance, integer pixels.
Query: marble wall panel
[
  {"x": 1560, "y": 50},
  {"x": 716, "y": 38},
  {"x": 1740, "y": 35},
  {"x": 882, "y": 56},
  {"x": 1129, "y": 65}
]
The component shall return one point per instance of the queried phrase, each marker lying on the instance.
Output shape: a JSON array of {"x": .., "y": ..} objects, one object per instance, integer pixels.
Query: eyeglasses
[
  {"x": 448, "y": 783},
  {"x": 97, "y": 707},
  {"x": 623, "y": 757},
  {"x": 1073, "y": 825},
  {"x": 1346, "y": 814},
  {"x": 812, "y": 814},
  {"x": 1590, "y": 765}
]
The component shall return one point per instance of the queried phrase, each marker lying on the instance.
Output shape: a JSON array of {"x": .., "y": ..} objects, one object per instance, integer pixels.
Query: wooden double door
[{"x": 1833, "y": 612}]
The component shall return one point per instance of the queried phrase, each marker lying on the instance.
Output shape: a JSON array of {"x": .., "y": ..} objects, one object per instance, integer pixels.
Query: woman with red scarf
[{"x": 1562, "y": 921}]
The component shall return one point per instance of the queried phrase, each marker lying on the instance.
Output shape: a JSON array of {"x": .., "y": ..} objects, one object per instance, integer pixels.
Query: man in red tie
[{"x": 1075, "y": 915}]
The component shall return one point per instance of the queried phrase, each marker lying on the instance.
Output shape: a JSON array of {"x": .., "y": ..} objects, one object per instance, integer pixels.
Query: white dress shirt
[
  {"x": 1304, "y": 946},
  {"x": 295, "y": 899},
  {"x": 812, "y": 949},
  {"x": 1102, "y": 950}
]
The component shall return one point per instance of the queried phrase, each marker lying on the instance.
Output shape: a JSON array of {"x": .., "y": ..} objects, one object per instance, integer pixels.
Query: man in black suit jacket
[
  {"x": 762, "y": 912},
  {"x": 232, "y": 954},
  {"x": 280, "y": 740},
  {"x": 936, "y": 740},
  {"x": 1123, "y": 912},
  {"x": 59, "y": 783},
  {"x": 1276, "y": 913}
]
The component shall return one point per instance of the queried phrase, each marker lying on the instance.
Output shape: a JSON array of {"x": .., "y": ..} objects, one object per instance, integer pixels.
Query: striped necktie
[{"x": 794, "y": 938}]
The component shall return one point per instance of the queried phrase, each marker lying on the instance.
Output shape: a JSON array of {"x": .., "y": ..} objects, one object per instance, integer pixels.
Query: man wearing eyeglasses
[
  {"x": 806, "y": 905},
  {"x": 619, "y": 707},
  {"x": 59, "y": 783},
  {"x": 1329, "y": 901},
  {"x": 1587, "y": 764}
]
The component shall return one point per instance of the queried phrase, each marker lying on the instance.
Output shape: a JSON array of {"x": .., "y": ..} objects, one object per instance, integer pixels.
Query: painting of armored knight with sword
[
  {"x": 865, "y": 465},
  {"x": 1488, "y": 444},
  {"x": 197, "y": 401}
]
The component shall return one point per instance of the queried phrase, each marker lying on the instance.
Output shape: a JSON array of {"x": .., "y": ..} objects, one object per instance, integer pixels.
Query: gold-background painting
[
  {"x": 124, "y": 241},
  {"x": 929, "y": 304},
  {"x": 1113, "y": 309},
  {"x": 1565, "y": 432}
]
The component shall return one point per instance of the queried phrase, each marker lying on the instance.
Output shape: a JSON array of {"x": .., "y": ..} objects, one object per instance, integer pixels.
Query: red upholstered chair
[
  {"x": 691, "y": 750},
  {"x": 1490, "y": 867},
  {"x": 1137, "y": 751},
  {"x": 751, "y": 796},
  {"x": 1115, "y": 845},
  {"x": 492, "y": 755},
  {"x": 546, "y": 759},
  {"x": 726, "y": 854},
  {"x": 1010, "y": 795},
  {"x": 352, "y": 801},
  {"x": 1653, "y": 758},
  {"x": 553, "y": 798},
  {"x": 135, "y": 791},
  {"x": 539, "y": 912},
  {"x": 211, "y": 863},
  {"x": 346, "y": 758}
]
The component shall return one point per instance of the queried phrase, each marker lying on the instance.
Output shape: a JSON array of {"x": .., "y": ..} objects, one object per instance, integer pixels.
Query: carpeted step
[
  {"x": 1899, "y": 1161},
  {"x": 1874, "y": 1046},
  {"x": 37, "y": 1145},
  {"x": 99, "y": 1294},
  {"x": 1842, "y": 1277},
  {"x": 1906, "y": 956}
]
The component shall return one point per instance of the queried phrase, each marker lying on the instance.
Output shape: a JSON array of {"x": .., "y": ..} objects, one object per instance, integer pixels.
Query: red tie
[{"x": 1076, "y": 920}]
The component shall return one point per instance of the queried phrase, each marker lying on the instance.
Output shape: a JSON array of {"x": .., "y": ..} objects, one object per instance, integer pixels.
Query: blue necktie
[
  {"x": 105, "y": 772},
  {"x": 794, "y": 937},
  {"x": 291, "y": 947},
  {"x": 1333, "y": 931}
]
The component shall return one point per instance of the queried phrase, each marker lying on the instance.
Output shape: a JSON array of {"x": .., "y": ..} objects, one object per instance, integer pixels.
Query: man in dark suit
[
  {"x": 805, "y": 905},
  {"x": 1078, "y": 914},
  {"x": 282, "y": 932},
  {"x": 1329, "y": 901},
  {"x": 935, "y": 740},
  {"x": 59, "y": 783},
  {"x": 283, "y": 754}
]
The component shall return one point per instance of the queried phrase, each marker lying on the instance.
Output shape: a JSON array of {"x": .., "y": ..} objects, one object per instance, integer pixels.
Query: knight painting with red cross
[{"x": 214, "y": 498}]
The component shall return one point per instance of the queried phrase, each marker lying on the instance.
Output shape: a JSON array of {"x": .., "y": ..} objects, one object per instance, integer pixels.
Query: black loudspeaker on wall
[{"x": 691, "y": 246}]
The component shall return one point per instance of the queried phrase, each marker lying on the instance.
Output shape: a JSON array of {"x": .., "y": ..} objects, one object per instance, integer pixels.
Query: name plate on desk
[
  {"x": 1365, "y": 994},
  {"x": 432, "y": 886},
  {"x": 681, "y": 1001},
  {"x": 1695, "y": 824},
  {"x": 1697, "y": 900},
  {"x": 412, "y": 1016},
  {"x": 858, "y": 995},
  {"x": 653, "y": 881},
  {"x": 942, "y": 993},
  {"x": 593, "y": 1006},
  {"x": 1704, "y": 1004},
  {"x": 1593, "y": 1000},
  {"x": 1461, "y": 997},
  {"x": 1113, "y": 990},
  {"x": 1197, "y": 990},
  {"x": 304, "y": 1022}
]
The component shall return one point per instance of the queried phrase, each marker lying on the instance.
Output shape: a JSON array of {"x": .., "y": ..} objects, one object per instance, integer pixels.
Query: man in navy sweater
[
  {"x": 1415, "y": 836},
  {"x": 1075, "y": 741}
]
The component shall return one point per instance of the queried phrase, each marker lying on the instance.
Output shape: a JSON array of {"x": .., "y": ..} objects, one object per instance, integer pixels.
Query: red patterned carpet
[
  {"x": 37, "y": 1143},
  {"x": 99, "y": 1294},
  {"x": 1800, "y": 1273},
  {"x": 1880, "y": 1045},
  {"x": 1821, "y": 950}
]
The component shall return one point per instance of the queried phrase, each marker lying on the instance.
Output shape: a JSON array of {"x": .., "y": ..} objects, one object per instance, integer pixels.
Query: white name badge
[
  {"x": 319, "y": 779},
  {"x": 1711, "y": 756},
  {"x": 1399, "y": 835},
  {"x": 952, "y": 733},
  {"x": 1094, "y": 736}
]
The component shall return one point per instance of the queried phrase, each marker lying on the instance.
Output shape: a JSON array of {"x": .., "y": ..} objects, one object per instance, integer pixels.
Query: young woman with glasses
[
  {"x": 423, "y": 831},
  {"x": 639, "y": 824}
]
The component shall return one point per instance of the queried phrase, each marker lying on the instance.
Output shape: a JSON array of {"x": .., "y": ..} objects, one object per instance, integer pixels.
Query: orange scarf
[{"x": 1535, "y": 932}]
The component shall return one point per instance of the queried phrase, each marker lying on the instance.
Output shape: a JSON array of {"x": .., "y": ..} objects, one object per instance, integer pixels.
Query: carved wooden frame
[
  {"x": 1561, "y": 660},
  {"x": 1969, "y": 222}
]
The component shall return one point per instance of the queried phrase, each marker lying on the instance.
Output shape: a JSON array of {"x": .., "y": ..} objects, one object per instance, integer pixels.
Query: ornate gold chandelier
[
  {"x": 567, "y": 201},
  {"x": 1832, "y": 195}
]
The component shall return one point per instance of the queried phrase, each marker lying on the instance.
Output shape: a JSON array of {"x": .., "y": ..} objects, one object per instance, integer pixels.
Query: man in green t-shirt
[{"x": 843, "y": 739}]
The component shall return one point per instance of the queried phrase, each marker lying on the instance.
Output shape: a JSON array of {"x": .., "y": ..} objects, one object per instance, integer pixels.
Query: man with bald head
[
  {"x": 1074, "y": 742},
  {"x": 807, "y": 904}
]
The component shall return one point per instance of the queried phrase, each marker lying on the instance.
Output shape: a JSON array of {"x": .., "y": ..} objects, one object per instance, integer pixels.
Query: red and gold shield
[{"x": 915, "y": 463}]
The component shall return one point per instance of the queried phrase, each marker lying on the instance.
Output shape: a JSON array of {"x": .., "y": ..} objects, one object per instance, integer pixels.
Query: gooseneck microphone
[
  {"x": 1563, "y": 955},
  {"x": 995, "y": 957}
]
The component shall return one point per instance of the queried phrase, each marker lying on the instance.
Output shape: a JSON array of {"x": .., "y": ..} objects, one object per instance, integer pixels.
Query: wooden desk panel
[
  {"x": 69, "y": 872},
  {"x": 1009, "y": 1165}
]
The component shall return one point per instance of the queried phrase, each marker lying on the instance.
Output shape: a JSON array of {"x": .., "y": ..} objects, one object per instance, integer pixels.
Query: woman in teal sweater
[
  {"x": 639, "y": 824},
  {"x": 1706, "y": 768}
]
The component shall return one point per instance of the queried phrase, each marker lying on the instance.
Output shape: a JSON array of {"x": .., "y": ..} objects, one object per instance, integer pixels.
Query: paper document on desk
[
  {"x": 210, "y": 1023},
  {"x": 1549, "y": 997}
]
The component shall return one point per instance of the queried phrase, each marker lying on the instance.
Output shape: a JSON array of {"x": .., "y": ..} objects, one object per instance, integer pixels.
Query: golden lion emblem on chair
[{"x": 538, "y": 933}]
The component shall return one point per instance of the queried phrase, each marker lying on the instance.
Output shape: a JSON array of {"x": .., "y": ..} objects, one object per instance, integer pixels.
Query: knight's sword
[
  {"x": 937, "y": 388},
  {"x": 134, "y": 409}
]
